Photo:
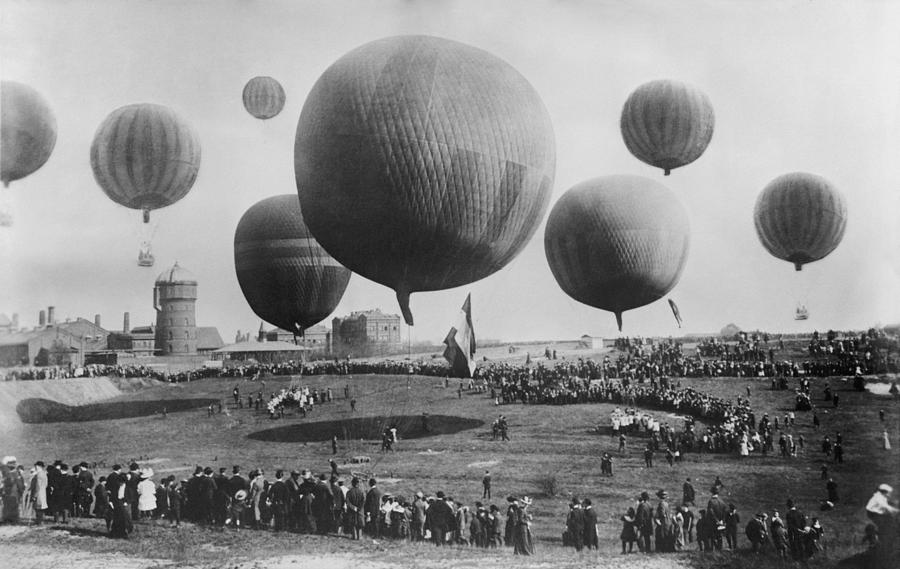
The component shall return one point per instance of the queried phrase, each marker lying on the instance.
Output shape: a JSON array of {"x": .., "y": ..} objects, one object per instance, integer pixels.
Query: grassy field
[{"x": 549, "y": 443}]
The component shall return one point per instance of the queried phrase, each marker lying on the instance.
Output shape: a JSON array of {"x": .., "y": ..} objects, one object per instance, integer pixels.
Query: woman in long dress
[
  {"x": 523, "y": 543},
  {"x": 12, "y": 488},
  {"x": 887, "y": 440},
  {"x": 38, "y": 489},
  {"x": 121, "y": 518},
  {"x": 146, "y": 494}
]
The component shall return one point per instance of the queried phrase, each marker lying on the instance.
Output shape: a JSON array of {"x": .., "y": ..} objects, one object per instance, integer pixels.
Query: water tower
[{"x": 174, "y": 297}]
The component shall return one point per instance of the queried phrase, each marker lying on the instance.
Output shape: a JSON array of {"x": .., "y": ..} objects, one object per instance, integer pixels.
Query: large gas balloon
[
  {"x": 286, "y": 276},
  {"x": 263, "y": 97},
  {"x": 667, "y": 124},
  {"x": 27, "y": 131},
  {"x": 145, "y": 157},
  {"x": 617, "y": 242},
  {"x": 800, "y": 218},
  {"x": 423, "y": 163}
]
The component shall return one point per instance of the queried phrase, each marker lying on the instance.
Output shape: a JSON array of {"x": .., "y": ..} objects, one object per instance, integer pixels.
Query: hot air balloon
[
  {"x": 423, "y": 163},
  {"x": 667, "y": 124},
  {"x": 263, "y": 97},
  {"x": 145, "y": 157},
  {"x": 286, "y": 276},
  {"x": 27, "y": 133},
  {"x": 800, "y": 218},
  {"x": 617, "y": 242}
]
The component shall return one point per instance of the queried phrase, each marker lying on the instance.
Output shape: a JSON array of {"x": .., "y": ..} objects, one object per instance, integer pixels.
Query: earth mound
[
  {"x": 368, "y": 428},
  {"x": 38, "y": 410}
]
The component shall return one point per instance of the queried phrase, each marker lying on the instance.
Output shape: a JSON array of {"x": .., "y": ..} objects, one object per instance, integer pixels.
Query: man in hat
[
  {"x": 796, "y": 522},
  {"x": 85, "y": 489},
  {"x": 373, "y": 509},
  {"x": 338, "y": 504},
  {"x": 662, "y": 521},
  {"x": 220, "y": 498},
  {"x": 494, "y": 531},
  {"x": 323, "y": 503},
  {"x": 63, "y": 494},
  {"x": 356, "y": 501},
  {"x": 486, "y": 485},
  {"x": 440, "y": 519},
  {"x": 207, "y": 496},
  {"x": 293, "y": 485},
  {"x": 732, "y": 519},
  {"x": 644, "y": 522},
  {"x": 132, "y": 479},
  {"x": 716, "y": 510},
  {"x": 756, "y": 532},
  {"x": 575, "y": 525},
  {"x": 278, "y": 496}
]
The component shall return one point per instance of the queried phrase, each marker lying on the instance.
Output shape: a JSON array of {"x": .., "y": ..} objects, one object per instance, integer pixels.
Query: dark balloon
[
  {"x": 423, "y": 163},
  {"x": 263, "y": 97},
  {"x": 145, "y": 157},
  {"x": 667, "y": 124},
  {"x": 800, "y": 218},
  {"x": 27, "y": 131},
  {"x": 288, "y": 279},
  {"x": 617, "y": 242}
]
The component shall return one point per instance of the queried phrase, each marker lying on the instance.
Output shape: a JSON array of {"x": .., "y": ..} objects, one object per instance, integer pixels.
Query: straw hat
[
  {"x": 146, "y": 473},
  {"x": 240, "y": 495}
]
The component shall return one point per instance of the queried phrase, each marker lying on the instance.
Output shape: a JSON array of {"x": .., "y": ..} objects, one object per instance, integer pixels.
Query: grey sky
[{"x": 796, "y": 86}]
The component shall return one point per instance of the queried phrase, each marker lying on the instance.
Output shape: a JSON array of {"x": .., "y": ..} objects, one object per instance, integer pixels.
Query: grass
[{"x": 547, "y": 442}]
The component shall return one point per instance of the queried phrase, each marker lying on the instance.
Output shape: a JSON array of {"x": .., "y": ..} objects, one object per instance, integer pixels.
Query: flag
[
  {"x": 675, "y": 311},
  {"x": 460, "y": 342}
]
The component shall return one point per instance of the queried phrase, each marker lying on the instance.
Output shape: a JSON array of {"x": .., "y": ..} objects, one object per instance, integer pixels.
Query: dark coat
[
  {"x": 356, "y": 501},
  {"x": 440, "y": 516},
  {"x": 373, "y": 502}
]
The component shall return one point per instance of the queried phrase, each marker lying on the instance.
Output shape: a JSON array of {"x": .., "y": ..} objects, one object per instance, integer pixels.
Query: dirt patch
[
  {"x": 367, "y": 428},
  {"x": 36, "y": 410}
]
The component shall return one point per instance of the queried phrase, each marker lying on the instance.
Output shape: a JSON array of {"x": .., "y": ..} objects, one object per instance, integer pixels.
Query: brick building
[{"x": 366, "y": 333}]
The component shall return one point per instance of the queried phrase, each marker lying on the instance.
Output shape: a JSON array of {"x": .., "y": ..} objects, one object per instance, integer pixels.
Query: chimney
[
  {"x": 97, "y": 321},
  {"x": 51, "y": 315},
  {"x": 126, "y": 323},
  {"x": 15, "y": 321},
  {"x": 42, "y": 319}
]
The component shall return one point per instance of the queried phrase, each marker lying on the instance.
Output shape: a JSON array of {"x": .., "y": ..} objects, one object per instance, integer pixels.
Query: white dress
[
  {"x": 887, "y": 441},
  {"x": 146, "y": 495}
]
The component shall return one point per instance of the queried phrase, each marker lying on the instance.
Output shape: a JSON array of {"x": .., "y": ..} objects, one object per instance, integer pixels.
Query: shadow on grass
[
  {"x": 36, "y": 410},
  {"x": 367, "y": 428},
  {"x": 75, "y": 531}
]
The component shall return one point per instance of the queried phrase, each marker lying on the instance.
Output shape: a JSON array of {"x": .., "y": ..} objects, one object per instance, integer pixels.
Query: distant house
[
  {"x": 50, "y": 345},
  {"x": 366, "y": 333},
  {"x": 592, "y": 342}
]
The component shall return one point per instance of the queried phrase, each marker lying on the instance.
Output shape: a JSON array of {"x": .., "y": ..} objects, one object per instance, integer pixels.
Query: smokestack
[
  {"x": 97, "y": 321},
  {"x": 42, "y": 319},
  {"x": 126, "y": 323},
  {"x": 51, "y": 315}
]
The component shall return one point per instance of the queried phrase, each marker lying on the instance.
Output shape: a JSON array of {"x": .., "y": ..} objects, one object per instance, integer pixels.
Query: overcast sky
[{"x": 796, "y": 86}]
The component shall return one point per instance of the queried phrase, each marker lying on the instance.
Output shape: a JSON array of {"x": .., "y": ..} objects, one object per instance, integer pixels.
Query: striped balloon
[
  {"x": 263, "y": 97},
  {"x": 288, "y": 279},
  {"x": 145, "y": 157},
  {"x": 423, "y": 163},
  {"x": 617, "y": 242},
  {"x": 800, "y": 218},
  {"x": 667, "y": 124},
  {"x": 27, "y": 131}
]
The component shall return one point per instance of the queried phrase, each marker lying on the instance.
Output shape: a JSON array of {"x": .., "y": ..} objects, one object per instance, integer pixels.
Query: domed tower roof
[{"x": 176, "y": 274}]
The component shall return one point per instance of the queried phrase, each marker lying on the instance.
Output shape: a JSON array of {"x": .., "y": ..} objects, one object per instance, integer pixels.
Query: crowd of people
[{"x": 297, "y": 501}]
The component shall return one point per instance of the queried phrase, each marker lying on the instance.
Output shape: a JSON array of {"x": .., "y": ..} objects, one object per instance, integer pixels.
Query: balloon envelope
[
  {"x": 27, "y": 131},
  {"x": 263, "y": 97},
  {"x": 286, "y": 276},
  {"x": 800, "y": 218},
  {"x": 423, "y": 163},
  {"x": 617, "y": 242},
  {"x": 144, "y": 156},
  {"x": 667, "y": 124}
]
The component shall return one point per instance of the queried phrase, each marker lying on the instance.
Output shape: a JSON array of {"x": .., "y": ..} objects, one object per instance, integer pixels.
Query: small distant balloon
[
  {"x": 27, "y": 131},
  {"x": 667, "y": 124},
  {"x": 263, "y": 97},
  {"x": 800, "y": 218},
  {"x": 617, "y": 242}
]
